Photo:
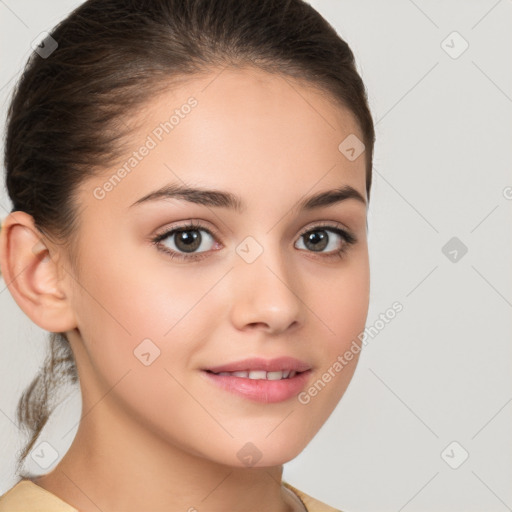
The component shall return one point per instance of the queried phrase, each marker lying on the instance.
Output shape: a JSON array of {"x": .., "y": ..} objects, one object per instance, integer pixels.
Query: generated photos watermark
[
  {"x": 304, "y": 397},
  {"x": 152, "y": 140}
]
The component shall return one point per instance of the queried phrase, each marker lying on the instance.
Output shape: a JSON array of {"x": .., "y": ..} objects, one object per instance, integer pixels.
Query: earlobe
[{"x": 30, "y": 269}]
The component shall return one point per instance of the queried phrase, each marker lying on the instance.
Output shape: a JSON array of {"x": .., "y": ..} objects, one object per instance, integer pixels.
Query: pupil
[
  {"x": 319, "y": 240},
  {"x": 191, "y": 240}
]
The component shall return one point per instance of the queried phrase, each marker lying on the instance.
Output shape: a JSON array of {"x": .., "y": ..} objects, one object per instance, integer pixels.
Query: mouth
[
  {"x": 259, "y": 374},
  {"x": 261, "y": 380}
]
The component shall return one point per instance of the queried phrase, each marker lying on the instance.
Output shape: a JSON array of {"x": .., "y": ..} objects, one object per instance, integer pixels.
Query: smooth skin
[{"x": 162, "y": 437}]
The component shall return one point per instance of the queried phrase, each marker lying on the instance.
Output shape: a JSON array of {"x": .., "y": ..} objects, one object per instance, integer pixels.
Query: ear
[{"x": 31, "y": 270}]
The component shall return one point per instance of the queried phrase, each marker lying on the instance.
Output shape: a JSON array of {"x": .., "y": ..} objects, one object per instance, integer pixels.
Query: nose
[{"x": 266, "y": 295}]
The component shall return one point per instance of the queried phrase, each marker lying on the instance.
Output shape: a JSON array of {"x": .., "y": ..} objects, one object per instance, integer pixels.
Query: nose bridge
[
  {"x": 263, "y": 258},
  {"x": 265, "y": 285}
]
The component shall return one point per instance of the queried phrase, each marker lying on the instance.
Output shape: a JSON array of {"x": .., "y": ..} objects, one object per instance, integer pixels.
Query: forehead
[{"x": 238, "y": 127}]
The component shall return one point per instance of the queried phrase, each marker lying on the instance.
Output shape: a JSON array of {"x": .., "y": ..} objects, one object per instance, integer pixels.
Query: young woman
[{"x": 190, "y": 182}]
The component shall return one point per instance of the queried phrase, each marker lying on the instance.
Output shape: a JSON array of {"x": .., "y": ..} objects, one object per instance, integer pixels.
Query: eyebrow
[{"x": 221, "y": 199}]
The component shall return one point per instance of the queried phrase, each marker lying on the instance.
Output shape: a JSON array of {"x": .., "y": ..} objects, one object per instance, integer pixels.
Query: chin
[{"x": 275, "y": 450}]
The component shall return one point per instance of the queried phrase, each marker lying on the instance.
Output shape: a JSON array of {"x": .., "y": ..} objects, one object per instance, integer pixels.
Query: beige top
[{"x": 26, "y": 496}]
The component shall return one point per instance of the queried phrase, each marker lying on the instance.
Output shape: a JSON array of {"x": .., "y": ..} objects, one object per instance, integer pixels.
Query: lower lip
[{"x": 261, "y": 390}]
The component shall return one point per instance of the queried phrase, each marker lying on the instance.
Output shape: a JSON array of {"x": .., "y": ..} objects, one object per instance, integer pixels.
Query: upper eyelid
[
  {"x": 192, "y": 224},
  {"x": 326, "y": 225},
  {"x": 186, "y": 225}
]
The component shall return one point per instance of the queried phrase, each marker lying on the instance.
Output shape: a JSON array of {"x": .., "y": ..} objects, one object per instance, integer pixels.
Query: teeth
[
  {"x": 261, "y": 374},
  {"x": 240, "y": 374},
  {"x": 256, "y": 374}
]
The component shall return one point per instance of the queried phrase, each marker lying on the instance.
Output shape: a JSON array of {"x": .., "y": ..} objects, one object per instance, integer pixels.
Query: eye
[
  {"x": 332, "y": 240},
  {"x": 186, "y": 242},
  {"x": 190, "y": 241}
]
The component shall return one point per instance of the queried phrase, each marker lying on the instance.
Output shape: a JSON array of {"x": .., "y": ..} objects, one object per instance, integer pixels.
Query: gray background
[{"x": 440, "y": 372}]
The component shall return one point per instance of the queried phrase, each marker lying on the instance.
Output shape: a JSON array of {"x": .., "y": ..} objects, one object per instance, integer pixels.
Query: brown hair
[{"x": 70, "y": 114}]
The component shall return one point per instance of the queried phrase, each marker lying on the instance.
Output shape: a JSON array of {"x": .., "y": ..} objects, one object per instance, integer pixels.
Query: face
[{"x": 182, "y": 285}]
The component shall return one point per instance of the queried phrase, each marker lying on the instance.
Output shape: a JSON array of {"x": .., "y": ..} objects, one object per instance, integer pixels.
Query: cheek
[
  {"x": 133, "y": 312},
  {"x": 342, "y": 304},
  {"x": 122, "y": 321},
  {"x": 341, "y": 307}
]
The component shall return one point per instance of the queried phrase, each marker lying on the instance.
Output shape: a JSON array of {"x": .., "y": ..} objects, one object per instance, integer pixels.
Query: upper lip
[{"x": 268, "y": 365}]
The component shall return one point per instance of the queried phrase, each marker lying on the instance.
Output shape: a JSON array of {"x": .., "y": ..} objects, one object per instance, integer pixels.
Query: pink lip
[
  {"x": 261, "y": 390},
  {"x": 268, "y": 365}
]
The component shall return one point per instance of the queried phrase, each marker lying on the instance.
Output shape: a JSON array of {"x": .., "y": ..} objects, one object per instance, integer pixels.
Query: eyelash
[{"x": 348, "y": 240}]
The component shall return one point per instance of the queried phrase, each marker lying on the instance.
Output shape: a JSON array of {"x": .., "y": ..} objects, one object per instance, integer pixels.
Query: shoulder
[
  {"x": 26, "y": 496},
  {"x": 311, "y": 504}
]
